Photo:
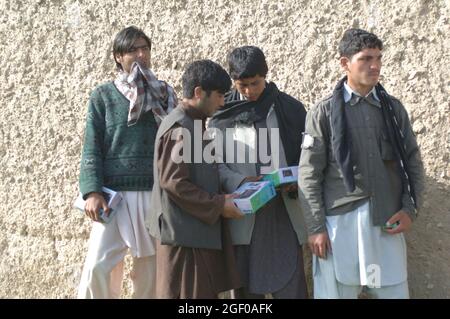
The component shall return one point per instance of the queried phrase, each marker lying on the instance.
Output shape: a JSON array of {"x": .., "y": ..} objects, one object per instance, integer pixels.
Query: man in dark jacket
[
  {"x": 268, "y": 125},
  {"x": 360, "y": 179}
]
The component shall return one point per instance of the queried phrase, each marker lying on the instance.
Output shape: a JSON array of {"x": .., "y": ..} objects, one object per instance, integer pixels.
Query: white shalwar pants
[
  {"x": 362, "y": 255},
  {"x": 109, "y": 243}
]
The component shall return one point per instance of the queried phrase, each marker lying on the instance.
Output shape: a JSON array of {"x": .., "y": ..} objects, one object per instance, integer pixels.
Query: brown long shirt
[{"x": 184, "y": 272}]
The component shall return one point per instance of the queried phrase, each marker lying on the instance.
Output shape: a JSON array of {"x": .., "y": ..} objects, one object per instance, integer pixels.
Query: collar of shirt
[
  {"x": 193, "y": 112},
  {"x": 355, "y": 97}
]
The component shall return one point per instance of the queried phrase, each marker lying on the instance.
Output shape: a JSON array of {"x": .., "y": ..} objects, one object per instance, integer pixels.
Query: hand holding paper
[{"x": 94, "y": 203}]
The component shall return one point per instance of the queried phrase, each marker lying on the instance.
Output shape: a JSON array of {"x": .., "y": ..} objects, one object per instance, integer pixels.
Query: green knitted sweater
[{"x": 115, "y": 155}]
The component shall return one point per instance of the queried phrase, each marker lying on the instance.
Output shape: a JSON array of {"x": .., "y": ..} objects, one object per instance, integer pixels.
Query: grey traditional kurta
[
  {"x": 266, "y": 265},
  {"x": 272, "y": 256},
  {"x": 184, "y": 272}
]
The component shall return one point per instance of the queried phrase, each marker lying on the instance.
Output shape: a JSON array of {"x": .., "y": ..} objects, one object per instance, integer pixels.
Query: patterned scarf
[{"x": 145, "y": 92}]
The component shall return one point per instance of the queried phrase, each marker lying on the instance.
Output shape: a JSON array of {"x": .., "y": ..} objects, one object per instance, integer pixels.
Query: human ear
[
  {"x": 118, "y": 58},
  {"x": 344, "y": 61},
  {"x": 198, "y": 92}
]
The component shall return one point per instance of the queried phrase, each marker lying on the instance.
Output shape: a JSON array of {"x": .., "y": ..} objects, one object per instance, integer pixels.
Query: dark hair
[
  {"x": 247, "y": 62},
  {"x": 125, "y": 39},
  {"x": 206, "y": 74},
  {"x": 356, "y": 40}
]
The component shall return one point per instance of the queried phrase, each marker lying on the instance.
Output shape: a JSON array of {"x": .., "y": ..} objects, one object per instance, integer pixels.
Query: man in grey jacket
[{"x": 360, "y": 180}]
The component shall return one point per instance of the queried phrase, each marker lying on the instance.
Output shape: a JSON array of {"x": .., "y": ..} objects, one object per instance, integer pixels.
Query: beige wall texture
[{"x": 53, "y": 53}]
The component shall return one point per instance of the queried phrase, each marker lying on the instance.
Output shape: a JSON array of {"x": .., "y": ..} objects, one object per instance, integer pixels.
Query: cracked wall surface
[{"x": 55, "y": 52}]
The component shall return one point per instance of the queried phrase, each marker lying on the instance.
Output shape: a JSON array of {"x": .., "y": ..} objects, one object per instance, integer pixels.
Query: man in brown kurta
[{"x": 185, "y": 268}]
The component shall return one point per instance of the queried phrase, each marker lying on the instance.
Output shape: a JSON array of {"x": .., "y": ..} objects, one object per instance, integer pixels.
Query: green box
[
  {"x": 285, "y": 175},
  {"x": 254, "y": 195}
]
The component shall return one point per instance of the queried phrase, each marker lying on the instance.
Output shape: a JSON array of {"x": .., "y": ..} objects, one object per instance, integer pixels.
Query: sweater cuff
[{"x": 85, "y": 190}]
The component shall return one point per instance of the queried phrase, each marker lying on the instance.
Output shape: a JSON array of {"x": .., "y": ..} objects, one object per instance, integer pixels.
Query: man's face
[
  {"x": 210, "y": 104},
  {"x": 363, "y": 69},
  {"x": 140, "y": 52},
  {"x": 251, "y": 88}
]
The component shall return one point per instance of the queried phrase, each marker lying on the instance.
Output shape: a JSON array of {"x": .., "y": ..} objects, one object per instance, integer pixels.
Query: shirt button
[
  {"x": 370, "y": 155},
  {"x": 367, "y": 118}
]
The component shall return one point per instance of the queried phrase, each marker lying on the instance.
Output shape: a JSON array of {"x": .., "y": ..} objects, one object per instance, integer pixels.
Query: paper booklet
[{"x": 112, "y": 199}]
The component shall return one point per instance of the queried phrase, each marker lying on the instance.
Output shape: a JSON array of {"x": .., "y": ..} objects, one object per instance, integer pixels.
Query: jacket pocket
[{"x": 386, "y": 149}]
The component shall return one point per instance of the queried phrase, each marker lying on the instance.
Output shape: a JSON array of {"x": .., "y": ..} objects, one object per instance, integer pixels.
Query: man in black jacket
[
  {"x": 268, "y": 125},
  {"x": 361, "y": 180}
]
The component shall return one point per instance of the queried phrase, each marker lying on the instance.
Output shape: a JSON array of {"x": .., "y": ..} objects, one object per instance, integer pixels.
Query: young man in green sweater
[{"x": 122, "y": 121}]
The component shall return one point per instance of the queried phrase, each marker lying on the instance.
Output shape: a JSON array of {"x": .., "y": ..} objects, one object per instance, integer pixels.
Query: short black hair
[
  {"x": 125, "y": 39},
  {"x": 356, "y": 40},
  {"x": 206, "y": 74},
  {"x": 247, "y": 62}
]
